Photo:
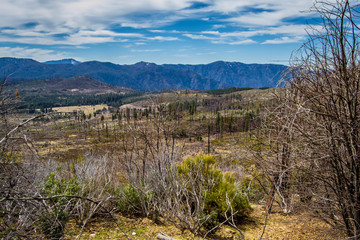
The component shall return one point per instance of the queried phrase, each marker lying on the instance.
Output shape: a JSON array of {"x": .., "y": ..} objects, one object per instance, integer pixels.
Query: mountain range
[{"x": 148, "y": 76}]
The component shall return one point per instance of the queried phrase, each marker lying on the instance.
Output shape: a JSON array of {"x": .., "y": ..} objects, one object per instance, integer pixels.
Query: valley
[{"x": 72, "y": 142}]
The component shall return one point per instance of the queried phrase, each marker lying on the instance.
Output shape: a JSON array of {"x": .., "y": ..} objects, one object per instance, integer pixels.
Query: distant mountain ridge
[
  {"x": 238, "y": 74},
  {"x": 69, "y": 86},
  {"x": 149, "y": 76}
]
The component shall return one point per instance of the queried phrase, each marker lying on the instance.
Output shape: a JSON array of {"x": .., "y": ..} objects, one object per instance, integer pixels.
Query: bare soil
[{"x": 303, "y": 225}]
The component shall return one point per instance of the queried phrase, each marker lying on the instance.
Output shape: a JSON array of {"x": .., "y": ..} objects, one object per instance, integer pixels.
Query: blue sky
[{"x": 159, "y": 31}]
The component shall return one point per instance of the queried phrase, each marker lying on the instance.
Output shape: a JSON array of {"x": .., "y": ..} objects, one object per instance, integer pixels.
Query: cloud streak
[
  {"x": 34, "y": 53},
  {"x": 89, "y": 21},
  {"x": 110, "y": 28},
  {"x": 284, "y": 40}
]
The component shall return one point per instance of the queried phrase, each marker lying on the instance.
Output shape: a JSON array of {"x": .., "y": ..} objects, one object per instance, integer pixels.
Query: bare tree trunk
[{"x": 271, "y": 196}]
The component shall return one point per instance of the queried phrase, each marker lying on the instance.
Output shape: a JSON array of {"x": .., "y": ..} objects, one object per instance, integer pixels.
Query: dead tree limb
[
  {"x": 163, "y": 236},
  {"x": 19, "y": 126}
]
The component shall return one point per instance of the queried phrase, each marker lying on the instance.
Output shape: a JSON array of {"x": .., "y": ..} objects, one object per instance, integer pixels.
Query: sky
[{"x": 158, "y": 31}]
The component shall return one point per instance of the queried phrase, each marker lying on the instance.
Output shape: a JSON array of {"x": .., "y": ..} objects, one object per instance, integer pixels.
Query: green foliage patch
[
  {"x": 52, "y": 222},
  {"x": 222, "y": 196},
  {"x": 226, "y": 90}
]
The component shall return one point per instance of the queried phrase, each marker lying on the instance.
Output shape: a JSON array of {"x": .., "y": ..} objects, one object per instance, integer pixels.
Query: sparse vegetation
[{"x": 132, "y": 170}]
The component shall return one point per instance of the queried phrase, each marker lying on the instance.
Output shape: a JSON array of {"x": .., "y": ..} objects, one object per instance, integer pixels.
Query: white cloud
[
  {"x": 79, "y": 13},
  {"x": 107, "y": 33},
  {"x": 84, "y": 21},
  {"x": 283, "y": 40},
  {"x": 77, "y": 38},
  {"x": 198, "y": 36},
  {"x": 217, "y": 26},
  {"x": 246, "y": 41},
  {"x": 146, "y": 50},
  {"x": 220, "y": 38},
  {"x": 285, "y": 33},
  {"x": 79, "y": 22},
  {"x": 34, "y": 53},
  {"x": 293, "y": 30},
  {"x": 76, "y": 13},
  {"x": 231, "y": 42},
  {"x": 269, "y": 13},
  {"x": 97, "y": 36},
  {"x": 161, "y": 38},
  {"x": 157, "y": 31}
]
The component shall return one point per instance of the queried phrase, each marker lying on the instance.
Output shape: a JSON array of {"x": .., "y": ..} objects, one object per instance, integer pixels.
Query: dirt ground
[{"x": 279, "y": 226}]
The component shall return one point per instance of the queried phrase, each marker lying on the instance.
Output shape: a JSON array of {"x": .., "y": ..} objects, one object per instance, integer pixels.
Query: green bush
[
  {"x": 55, "y": 186},
  {"x": 193, "y": 194},
  {"x": 52, "y": 222},
  {"x": 132, "y": 201},
  {"x": 210, "y": 220},
  {"x": 222, "y": 196},
  {"x": 253, "y": 189}
]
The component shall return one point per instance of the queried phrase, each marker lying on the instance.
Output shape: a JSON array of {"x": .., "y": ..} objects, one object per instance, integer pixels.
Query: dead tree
[{"x": 322, "y": 95}]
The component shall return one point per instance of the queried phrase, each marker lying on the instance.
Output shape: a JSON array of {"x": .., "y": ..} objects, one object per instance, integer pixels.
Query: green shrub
[
  {"x": 55, "y": 186},
  {"x": 210, "y": 220},
  {"x": 52, "y": 222},
  {"x": 222, "y": 196},
  {"x": 132, "y": 201},
  {"x": 194, "y": 195},
  {"x": 253, "y": 189}
]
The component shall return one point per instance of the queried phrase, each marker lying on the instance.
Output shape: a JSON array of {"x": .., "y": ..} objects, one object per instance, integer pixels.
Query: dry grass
[
  {"x": 292, "y": 227},
  {"x": 86, "y": 108},
  {"x": 297, "y": 226}
]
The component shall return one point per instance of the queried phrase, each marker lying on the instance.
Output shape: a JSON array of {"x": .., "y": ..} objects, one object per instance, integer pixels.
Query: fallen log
[{"x": 163, "y": 236}]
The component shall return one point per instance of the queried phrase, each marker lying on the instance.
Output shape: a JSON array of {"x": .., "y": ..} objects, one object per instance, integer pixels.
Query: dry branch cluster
[
  {"x": 314, "y": 128},
  {"x": 159, "y": 186}
]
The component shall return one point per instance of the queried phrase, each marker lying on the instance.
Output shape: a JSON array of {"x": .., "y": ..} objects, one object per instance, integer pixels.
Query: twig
[
  {"x": 32, "y": 149},
  {"x": 19, "y": 126},
  {"x": 86, "y": 221}
]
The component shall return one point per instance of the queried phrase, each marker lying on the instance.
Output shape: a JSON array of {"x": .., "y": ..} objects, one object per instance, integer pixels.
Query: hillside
[
  {"x": 73, "y": 85},
  {"x": 149, "y": 76},
  {"x": 238, "y": 74}
]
